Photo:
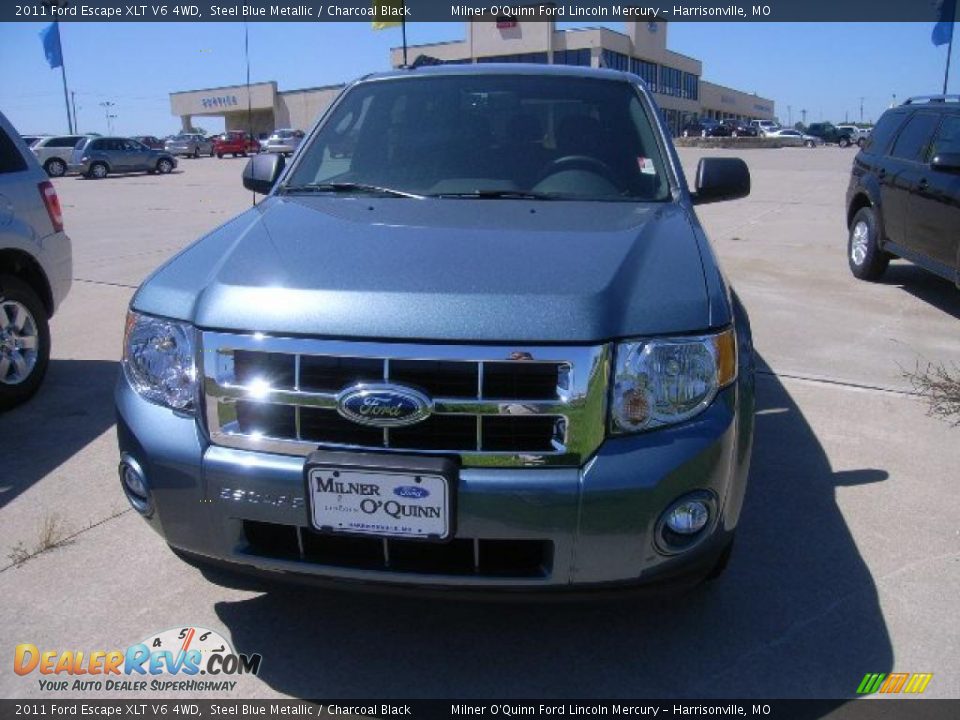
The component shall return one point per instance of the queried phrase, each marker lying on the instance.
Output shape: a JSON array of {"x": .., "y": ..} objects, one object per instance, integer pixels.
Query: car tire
[
  {"x": 703, "y": 133},
  {"x": 164, "y": 166},
  {"x": 734, "y": 134},
  {"x": 196, "y": 153},
  {"x": 211, "y": 152},
  {"x": 55, "y": 167},
  {"x": 20, "y": 304},
  {"x": 864, "y": 256},
  {"x": 686, "y": 133},
  {"x": 860, "y": 143},
  {"x": 810, "y": 143},
  {"x": 220, "y": 156},
  {"x": 98, "y": 171},
  {"x": 844, "y": 142}
]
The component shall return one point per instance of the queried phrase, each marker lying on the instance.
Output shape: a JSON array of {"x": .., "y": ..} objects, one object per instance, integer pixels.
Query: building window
[
  {"x": 646, "y": 70},
  {"x": 572, "y": 57},
  {"x": 691, "y": 86},
  {"x": 616, "y": 61},
  {"x": 539, "y": 57},
  {"x": 671, "y": 81}
]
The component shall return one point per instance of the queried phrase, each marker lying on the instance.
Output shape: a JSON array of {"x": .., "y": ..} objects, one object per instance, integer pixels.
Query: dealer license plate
[{"x": 379, "y": 502}]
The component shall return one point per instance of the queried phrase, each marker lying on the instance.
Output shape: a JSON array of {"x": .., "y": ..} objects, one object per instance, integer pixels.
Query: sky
[{"x": 823, "y": 68}]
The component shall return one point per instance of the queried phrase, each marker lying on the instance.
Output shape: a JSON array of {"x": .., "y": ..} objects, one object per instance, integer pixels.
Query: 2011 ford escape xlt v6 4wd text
[{"x": 484, "y": 345}]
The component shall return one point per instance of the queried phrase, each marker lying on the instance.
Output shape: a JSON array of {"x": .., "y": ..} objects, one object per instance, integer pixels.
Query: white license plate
[{"x": 384, "y": 503}]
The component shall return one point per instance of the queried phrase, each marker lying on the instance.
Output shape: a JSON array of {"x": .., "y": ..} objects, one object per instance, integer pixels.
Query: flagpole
[
  {"x": 63, "y": 74},
  {"x": 946, "y": 71}
]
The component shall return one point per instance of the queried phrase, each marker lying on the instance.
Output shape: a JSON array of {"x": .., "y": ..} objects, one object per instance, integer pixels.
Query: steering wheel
[{"x": 569, "y": 162}]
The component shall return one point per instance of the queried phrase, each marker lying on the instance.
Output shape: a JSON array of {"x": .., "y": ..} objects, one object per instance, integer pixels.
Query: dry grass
[
  {"x": 940, "y": 385},
  {"x": 50, "y": 535}
]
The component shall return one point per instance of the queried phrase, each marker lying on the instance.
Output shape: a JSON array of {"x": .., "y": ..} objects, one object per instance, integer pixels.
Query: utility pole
[
  {"x": 106, "y": 105},
  {"x": 803, "y": 114},
  {"x": 73, "y": 101},
  {"x": 790, "y": 115},
  {"x": 861, "y": 109}
]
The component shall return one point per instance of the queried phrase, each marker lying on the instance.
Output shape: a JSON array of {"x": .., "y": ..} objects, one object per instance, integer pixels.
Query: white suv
[
  {"x": 54, "y": 152},
  {"x": 36, "y": 267},
  {"x": 765, "y": 127}
]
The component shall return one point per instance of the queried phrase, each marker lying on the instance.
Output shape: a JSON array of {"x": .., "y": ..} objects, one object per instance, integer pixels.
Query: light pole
[
  {"x": 106, "y": 105},
  {"x": 861, "y": 109}
]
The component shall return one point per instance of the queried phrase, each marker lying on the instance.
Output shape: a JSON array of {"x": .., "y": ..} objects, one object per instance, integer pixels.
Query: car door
[
  {"x": 934, "y": 205},
  {"x": 137, "y": 155},
  {"x": 899, "y": 173}
]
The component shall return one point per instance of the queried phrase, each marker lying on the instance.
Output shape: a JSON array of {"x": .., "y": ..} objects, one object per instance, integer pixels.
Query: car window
[
  {"x": 948, "y": 137},
  {"x": 883, "y": 132},
  {"x": 10, "y": 158},
  {"x": 913, "y": 140},
  {"x": 62, "y": 142},
  {"x": 582, "y": 138}
]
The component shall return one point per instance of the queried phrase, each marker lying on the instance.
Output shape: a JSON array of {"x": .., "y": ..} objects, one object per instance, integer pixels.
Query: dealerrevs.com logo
[{"x": 181, "y": 659}]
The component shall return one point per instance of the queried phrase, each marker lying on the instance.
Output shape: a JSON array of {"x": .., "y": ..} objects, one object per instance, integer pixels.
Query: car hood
[{"x": 441, "y": 269}]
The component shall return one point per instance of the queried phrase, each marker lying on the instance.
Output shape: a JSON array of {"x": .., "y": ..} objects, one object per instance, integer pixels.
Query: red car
[{"x": 235, "y": 143}]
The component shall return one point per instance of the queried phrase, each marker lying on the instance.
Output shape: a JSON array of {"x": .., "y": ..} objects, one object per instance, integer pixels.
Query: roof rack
[{"x": 916, "y": 99}]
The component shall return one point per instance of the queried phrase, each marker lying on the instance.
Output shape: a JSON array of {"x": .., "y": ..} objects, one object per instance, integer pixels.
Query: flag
[
  {"x": 50, "y": 37},
  {"x": 943, "y": 30},
  {"x": 384, "y": 11}
]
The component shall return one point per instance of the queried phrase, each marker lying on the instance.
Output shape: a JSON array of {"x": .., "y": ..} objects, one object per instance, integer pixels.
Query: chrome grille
[{"x": 493, "y": 406}]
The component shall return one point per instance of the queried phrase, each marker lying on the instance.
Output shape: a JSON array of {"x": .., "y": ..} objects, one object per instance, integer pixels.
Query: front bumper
[{"x": 598, "y": 520}]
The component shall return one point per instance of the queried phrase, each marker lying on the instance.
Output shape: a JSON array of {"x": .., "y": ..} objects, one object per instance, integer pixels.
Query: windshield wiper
[
  {"x": 350, "y": 187},
  {"x": 500, "y": 194}
]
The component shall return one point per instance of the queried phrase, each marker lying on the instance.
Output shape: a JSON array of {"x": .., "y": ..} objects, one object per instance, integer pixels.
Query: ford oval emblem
[
  {"x": 411, "y": 491},
  {"x": 383, "y": 405}
]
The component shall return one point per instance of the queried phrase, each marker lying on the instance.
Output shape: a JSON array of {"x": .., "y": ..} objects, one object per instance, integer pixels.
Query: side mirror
[
  {"x": 262, "y": 172},
  {"x": 946, "y": 162},
  {"x": 721, "y": 179}
]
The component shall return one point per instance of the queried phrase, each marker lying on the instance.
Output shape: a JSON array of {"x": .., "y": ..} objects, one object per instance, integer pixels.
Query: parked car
[
  {"x": 403, "y": 381},
  {"x": 765, "y": 127},
  {"x": 152, "y": 142},
  {"x": 795, "y": 137},
  {"x": 36, "y": 268},
  {"x": 98, "y": 157},
  {"x": 705, "y": 127},
  {"x": 189, "y": 145},
  {"x": 284, "y": 141},
  {"x": 830, "y": 133},
  {"x": 235, "y": 143},
  {"x": 54, "y": 152},
  {"x": 903, "y": 199},
  {"x": 739, "y": 128}
]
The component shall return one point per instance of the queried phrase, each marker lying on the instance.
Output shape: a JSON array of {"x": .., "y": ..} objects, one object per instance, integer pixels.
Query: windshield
[{"x": 486, "y": 136}]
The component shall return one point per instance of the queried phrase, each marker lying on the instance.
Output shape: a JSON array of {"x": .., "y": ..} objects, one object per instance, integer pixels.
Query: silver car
[
  {"x": 284, "y": 141},
  {"x": 36, "y": 267},
  {"x": 100, "y": 156},
  {"x": 189, "y": 145},
  {"x": 790, "y": 136},
  {"x": 54, "y": 152}
]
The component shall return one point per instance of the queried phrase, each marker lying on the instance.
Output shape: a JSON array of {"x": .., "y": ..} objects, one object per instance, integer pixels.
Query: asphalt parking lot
[{"x": 847, "y": 560}]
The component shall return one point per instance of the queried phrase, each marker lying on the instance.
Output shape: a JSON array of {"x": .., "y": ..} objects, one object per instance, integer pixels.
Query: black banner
[
  {"x": 146, "y": 709},
  {"x": 474, "y": 10}
]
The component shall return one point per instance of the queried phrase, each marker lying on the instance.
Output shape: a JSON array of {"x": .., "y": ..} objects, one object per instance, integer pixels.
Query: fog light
[
  {"x": 689, "y": 517},
  {"x": 134, "y": 484},
  {"x": 686, "y": 522}
]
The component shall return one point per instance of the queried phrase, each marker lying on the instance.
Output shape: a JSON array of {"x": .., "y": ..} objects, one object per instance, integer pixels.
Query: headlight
[
  {"x": 158, "y": 361},
  {"x": 668, "y": 380}
]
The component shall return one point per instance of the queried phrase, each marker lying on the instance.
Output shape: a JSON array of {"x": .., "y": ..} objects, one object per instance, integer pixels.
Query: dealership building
[{"x": 675, "y": 79}]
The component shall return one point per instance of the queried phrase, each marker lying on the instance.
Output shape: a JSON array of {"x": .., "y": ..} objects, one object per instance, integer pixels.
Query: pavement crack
[
  {"x": 103, "y": 282},
  {"x": 820, "y": 380},
  {"x": 65, "y": 540}
]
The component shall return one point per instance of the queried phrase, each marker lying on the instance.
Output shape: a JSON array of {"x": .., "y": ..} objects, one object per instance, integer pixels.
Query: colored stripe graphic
[
  {"x": 918, "y": 683},
  {"x": 894, "y": 682},
  {"x": 870, "y": 683}
]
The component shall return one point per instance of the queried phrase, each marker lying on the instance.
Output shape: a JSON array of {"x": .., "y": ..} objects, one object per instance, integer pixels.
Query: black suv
[
  {"x": 830, "y": 133},
  {"x": 904, "y": 193}
]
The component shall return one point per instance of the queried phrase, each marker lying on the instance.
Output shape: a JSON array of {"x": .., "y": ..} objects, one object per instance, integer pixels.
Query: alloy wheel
[
  {"x": 859, "y": 242},
  {"x": 19, "y": 341}
]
